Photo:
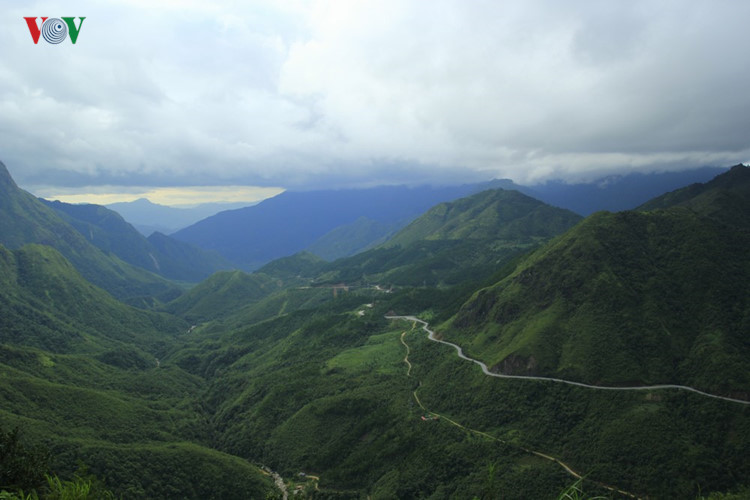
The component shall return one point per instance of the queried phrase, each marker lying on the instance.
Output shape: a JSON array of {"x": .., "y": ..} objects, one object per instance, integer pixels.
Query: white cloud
[{"x": 363, "y": 92}]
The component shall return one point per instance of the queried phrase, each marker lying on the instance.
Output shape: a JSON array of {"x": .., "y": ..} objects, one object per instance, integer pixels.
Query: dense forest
[{"x": 137, "y": 386}]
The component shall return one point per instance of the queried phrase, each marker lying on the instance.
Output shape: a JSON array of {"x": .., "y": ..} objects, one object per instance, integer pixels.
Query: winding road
[
  {"x": 432, "y": 336},
  {"x": 559, "y": 462}
]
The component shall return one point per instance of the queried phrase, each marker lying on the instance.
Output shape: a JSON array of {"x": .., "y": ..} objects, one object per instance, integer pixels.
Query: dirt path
[
  {"x": 539, "y": 454},
  {"x": 459, "y": 350},
  {"x": 406, "y": 358},
  {"x": 277, "y": 480}
]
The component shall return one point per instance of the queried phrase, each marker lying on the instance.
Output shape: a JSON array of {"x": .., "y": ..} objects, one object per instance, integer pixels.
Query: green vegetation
[
  {"x": 627, "y": 298},
  {"x": 21, "y": 466},
  {"x": 299, "y": 265},
  {"x": 724, "y": 198},
  {"x": 158, "y": 253},
  {"x": 455, "y": 243},
  {"x": 223, "y": 293},
  {"x": 296, "y": 368},
  {"x": 575, "y": 492},
  {"x": 49, "y": 305},
  {"x": 353, "y": 238},
  {"x": 172, "y": 470},
  {"x": 494, "y": 214},
  {"x": 24, "y": 219}
]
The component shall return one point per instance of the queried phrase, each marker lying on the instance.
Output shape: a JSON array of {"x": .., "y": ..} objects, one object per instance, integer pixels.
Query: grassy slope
[
  {"x": 24, "y": 219},
  {"x": 303, "y": 382},
  {"x": 456, "y": 242},
  {"x": 141, "y": 430},
  {"x": 634, "y": 297},
  {"x": 48, "y": 304},
  {"x": 159, "y": 254},
  {"x": 325, "y": 391},
  {"x": 622, "y": 298},
  {"x": 494, "y": 214},
  {"x": 80, "y": 371},
  {"x": 222, "y": 293}
]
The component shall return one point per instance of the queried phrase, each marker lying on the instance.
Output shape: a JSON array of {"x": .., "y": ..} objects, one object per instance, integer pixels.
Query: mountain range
[
  {"x": 159, "y": 254},
  {"x": 618, "y": 192},
  {"x": 643, "y": 297},
  {"x": 148, "y": 217},
  {"x": 24, "y": 219},
  {"x": 293, "y": 221},
  {"x": 455, "y": 241},
  {"x": 295, "y": 367},
  {"x": 342, "y": 223}
]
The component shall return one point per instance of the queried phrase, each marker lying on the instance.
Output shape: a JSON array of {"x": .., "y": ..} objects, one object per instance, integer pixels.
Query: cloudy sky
[{"x": 163, "y": 96}]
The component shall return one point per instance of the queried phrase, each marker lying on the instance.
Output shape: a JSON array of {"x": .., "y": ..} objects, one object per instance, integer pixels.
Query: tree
[{"x": 21, "y": 466}]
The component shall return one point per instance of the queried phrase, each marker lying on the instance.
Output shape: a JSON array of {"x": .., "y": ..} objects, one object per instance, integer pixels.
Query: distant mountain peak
[
  {"x": 740, "y": 170},
  {"x": 726, "y": 196}
]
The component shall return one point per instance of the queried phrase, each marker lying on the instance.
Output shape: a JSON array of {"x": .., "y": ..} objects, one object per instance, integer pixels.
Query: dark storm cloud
[{"x": 305, "y": 94}]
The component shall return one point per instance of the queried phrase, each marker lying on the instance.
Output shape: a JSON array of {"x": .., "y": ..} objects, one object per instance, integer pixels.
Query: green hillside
[
  {"x": 223, "y": 293},
  {"x": 298, "y": 369},
  {"x": 139, "y": 428},
  {"x": 83, "y": 373},
  {"x": 349, "y": 239},
  {"x": 494, "y": 214},
  {"x": 106, "y": 230},
  {"x": 325, "y": 390},
  {"x": 48, "y": 304},
  {"x": 300, "y": 265},
  {"x": 626, "y": 298},
  {"x": 159, "y": 253},
  {"x": 314, "y": 383},
  {"x": 24, "y": 219},
  {"x": 726, "y": 198},
  {"x": 452, "y": 243}
]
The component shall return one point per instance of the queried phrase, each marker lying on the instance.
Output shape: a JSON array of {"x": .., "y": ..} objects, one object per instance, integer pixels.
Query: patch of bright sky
[{"x": 170, "y": 196}]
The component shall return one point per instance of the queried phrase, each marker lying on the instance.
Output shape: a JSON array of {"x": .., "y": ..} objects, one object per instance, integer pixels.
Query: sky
[{"x": 227, "y": 99}]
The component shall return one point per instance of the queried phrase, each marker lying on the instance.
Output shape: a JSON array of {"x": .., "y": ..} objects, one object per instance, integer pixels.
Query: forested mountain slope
[
  {"x": 454, "y": 242},
  {"x": 501, "y": 215},
  {"x": 297, "y": 368},
  {"x": 292, "y": 221},
  {"x": 661, "y": 296},
  {"x": 82, "y": 373},
  {"x": 158, "y": 253},
  {"x": 47, "y": 304},
  {"x": 24, "y": 219},
  {"x": 326, "y": 390},
  {"x": 283, "y": 369},
  {"x": 726, "y": 198},
  {"x": 223, "y": 293}
]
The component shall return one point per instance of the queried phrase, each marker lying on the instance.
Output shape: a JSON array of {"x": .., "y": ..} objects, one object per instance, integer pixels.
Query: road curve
[
  {"x": 431, "y": 336},
  {"x": 559, "y": 462}
]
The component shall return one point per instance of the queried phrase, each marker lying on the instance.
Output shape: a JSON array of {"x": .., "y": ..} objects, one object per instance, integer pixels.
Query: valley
[{"x": 609, "y": 352}]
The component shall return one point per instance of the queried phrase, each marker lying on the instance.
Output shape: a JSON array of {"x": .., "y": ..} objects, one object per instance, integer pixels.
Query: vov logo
[{"x": 54, "y": 30}]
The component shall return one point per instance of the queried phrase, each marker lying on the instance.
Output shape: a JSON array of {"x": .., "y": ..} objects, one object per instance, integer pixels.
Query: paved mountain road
[
  {"x": 559, "y": 462},
  {"x": 431, "y": 336}
]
